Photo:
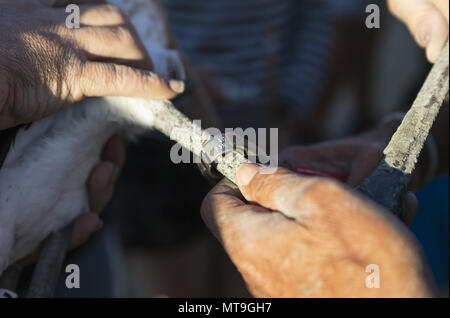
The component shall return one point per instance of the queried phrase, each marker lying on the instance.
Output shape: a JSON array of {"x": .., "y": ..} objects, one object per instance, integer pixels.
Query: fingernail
[
  {"x": 113, "y": 174},
  {"x": 177, "y": 86},
  {"x": 245, "y": 174}
]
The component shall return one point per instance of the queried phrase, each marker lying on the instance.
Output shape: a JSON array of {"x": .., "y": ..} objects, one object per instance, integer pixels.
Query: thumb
[
  {"x": 107, "y": 79},
  {"x": 283, "y": 190}
]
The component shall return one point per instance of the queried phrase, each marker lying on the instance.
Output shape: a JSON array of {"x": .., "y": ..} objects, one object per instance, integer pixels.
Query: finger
[
  {"x": 224, "y": 207},
  {"x": 438, "y": 39},
  {"x": 443, "y": 7},
  {"x": 427, "y": 24},
  {"x": 329, "y": 159},
  {"x": 114, "y": 151},
  {"x": 117, "y": 44},
  {"x": 416, "y": 15},
  {"x": 84, "y": 227},
  {"x": 92, "y": 15},
  {"x": 311, "y": 157},
  {"x": 100, "y": 185},
  {"x": 102, "y": 15},
  {"x": 106, "y": 79},
  {"x": 108, "y": 35},
  {"x": 285, "y": 191},
  {"x": 222, "y": 199}
]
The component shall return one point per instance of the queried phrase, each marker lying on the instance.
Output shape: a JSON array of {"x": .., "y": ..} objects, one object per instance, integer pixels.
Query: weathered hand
[
  {"x": 296, "y": 236},
  {"x": 355, "y": 158},
  {"x": 45, "y": 66},
  {"x": 427, "y": 20}
]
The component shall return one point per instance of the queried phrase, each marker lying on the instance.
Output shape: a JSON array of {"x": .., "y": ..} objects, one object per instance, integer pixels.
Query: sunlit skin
[
  {"x": 45, "y": 66},
  {"x": 427, "y": 20},
  {"x": 300, "y": 236},
  {"x": 330, "y": 233},
  {"x": 51, "y": 67}
]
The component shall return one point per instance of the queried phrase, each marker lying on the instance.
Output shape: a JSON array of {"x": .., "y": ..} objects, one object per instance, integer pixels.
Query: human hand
[
  {"x": 427, "y": 20},
  {"x": 45, "y": 66},
  {"x": 355, "y": 158},
  {"x": 297, "y": 236}
]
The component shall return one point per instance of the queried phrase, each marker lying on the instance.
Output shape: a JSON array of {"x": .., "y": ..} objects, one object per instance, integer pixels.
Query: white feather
[{"x": 42, "y": 181}]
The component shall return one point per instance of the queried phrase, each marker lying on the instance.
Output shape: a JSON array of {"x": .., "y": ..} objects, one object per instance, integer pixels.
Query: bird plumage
[{"x": 44, "y": 167}]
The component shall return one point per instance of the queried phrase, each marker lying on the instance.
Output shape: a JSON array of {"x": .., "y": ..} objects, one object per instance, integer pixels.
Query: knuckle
[
  {"x": 325, "y": 198},
  {"x": 121, "y": 76},
  {"x": 83, "y": 35},
  {"x": 113, "y": 72},
  {"x": 154, "y": 81},
  {"x": 62, "y": 31}
]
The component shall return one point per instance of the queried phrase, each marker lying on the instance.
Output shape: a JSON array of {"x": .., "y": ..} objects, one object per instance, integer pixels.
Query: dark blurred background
[{"x": 310, "y": 68}]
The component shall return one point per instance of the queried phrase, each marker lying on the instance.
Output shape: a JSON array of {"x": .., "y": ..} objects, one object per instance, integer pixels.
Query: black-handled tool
[{"x": 387, "y": 185}]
